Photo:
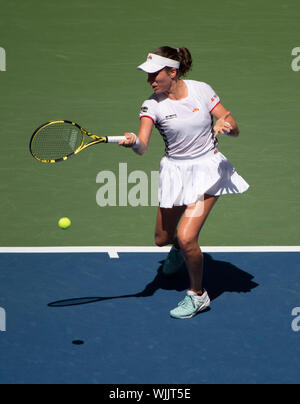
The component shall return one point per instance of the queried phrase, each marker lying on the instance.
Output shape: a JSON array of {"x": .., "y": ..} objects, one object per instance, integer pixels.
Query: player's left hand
[{"x": 222, "y": 127}]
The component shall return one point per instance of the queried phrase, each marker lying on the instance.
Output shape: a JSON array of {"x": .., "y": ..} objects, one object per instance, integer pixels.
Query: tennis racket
[{"x": 56, "y": 141}]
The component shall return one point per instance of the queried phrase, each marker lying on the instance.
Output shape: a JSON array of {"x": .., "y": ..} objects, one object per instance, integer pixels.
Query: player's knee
[
  {"x": 161, "y": 241},
  {"x": 186, "y": 243}
]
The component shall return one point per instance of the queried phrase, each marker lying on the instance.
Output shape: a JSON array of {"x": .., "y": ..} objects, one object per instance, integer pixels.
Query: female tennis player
[{"x": 193, "y": 172}]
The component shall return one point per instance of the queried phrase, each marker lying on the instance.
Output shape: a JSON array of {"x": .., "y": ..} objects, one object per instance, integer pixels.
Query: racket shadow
[{"x": 219, "y": 277}]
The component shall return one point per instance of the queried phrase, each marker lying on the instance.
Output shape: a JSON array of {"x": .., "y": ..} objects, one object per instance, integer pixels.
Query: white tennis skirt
[{"x": 185, "y": 181}]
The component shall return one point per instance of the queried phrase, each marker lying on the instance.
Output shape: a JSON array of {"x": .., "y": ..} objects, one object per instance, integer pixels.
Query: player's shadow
[{"x": 219, "y": 277}]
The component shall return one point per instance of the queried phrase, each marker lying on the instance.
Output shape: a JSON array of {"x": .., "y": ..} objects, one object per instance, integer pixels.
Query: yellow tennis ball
[{"x": 64, "y": 223}]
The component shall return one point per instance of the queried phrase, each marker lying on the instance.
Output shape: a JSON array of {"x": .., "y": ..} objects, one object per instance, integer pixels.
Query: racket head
[{"x": 56, "y": 141}]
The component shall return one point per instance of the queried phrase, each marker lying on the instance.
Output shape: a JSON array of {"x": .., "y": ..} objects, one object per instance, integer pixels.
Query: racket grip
[{"x": 115, "y": 139}]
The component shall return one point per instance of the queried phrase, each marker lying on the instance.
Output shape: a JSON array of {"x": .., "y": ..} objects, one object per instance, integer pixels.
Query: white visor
[{"x": 155, "y": 63}]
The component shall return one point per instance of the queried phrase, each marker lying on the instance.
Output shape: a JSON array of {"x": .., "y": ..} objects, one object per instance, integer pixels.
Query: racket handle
[{"x": 115, "y": 139}]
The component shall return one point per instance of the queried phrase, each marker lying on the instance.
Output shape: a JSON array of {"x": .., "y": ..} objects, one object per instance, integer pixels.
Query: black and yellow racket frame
[{"x": 96, "y": 139}]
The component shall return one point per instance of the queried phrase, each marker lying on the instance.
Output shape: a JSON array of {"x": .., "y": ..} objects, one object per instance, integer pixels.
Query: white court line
[{"x": 113, "y": 251}]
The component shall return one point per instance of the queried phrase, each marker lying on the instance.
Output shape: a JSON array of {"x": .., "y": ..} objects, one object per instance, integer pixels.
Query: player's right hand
[{"x": 130, "y": 140}]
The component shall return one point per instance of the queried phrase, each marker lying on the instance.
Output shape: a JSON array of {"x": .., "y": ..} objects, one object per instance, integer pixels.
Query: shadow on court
[{"x": 219, "y": 277}]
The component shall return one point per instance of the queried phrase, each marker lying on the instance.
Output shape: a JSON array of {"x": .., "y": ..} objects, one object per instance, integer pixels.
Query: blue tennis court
[{"x": 119, "y": 309}]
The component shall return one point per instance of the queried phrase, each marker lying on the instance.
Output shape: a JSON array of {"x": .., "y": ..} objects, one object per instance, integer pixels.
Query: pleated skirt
[{"x": 185, "y": 181}]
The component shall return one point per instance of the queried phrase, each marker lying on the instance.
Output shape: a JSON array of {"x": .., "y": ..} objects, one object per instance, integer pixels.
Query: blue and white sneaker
[
  {"x": 173, "y": 263},
  {"x": 191, "y": 305}
]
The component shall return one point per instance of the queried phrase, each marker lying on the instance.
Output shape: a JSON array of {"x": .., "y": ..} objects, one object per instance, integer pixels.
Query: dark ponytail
[
  {"x": 185, "y": 59},
  {"x": 182, "y": 55}
]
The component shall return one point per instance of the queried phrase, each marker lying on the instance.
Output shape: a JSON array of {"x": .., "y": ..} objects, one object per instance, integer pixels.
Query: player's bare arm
[
  {"x": 224, "y": 122},
  {"x": 143, "y": 137}
]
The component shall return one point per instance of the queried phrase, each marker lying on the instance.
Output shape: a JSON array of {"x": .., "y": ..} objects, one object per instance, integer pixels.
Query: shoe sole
[{"x": 206, "y": 306}]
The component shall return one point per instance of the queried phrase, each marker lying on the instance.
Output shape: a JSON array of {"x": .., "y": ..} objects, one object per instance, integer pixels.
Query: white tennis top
[{"x": 185, "y": 125}]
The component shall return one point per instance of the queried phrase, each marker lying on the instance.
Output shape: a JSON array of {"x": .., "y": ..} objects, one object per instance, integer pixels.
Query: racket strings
[{"x": 56, "y": 141}]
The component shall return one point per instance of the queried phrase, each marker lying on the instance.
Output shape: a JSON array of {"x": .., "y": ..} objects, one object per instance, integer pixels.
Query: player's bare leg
[
  {"x": 165, "y": 233},
  {"x": 188, "y": 233},
  {"x": 166, "y": 225}
]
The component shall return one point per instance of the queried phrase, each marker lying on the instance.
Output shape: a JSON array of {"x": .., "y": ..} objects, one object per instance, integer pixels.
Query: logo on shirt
[
  {"x": 214, "y": 98},
  {"x": 144, "y": 109},
  {"x": 195, "y": 109},
  {"x": 171, "y": 116}
]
